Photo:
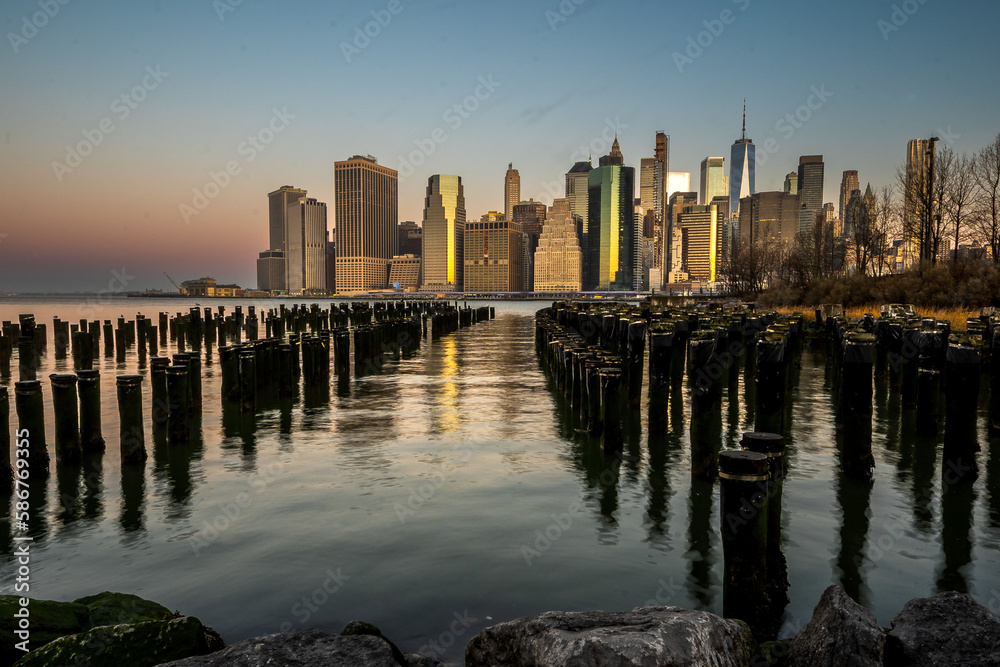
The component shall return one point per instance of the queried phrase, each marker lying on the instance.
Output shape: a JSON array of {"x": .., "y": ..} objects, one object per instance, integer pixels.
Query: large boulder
[
  {"x": 643, "y": 637},
  {"x": 841, "y": 633},
  {"x": 306, "y": 648},
  {"x": 137, "y": 645},
  {"x": 117, "y": 608},
  {"x": 49, "y": 620},
  {"x": 946, "y": 629}
]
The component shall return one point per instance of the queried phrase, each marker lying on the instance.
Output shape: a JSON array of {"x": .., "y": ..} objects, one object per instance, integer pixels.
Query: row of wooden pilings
[
  {"x": 933, "y": 369},
  {"x": 596, "y": 354},
  {"x": 253, "y": 373}
]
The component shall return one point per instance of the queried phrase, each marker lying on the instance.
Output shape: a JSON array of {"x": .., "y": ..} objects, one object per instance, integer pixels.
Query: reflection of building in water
[{"x": 443, "y": 395}]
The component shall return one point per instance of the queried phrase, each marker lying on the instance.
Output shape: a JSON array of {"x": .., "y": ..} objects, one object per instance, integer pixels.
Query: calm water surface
[{"x": 452, "y": 491}]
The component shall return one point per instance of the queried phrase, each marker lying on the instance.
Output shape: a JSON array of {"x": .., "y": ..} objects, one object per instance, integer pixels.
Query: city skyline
[{"x": 186, "y": 112}]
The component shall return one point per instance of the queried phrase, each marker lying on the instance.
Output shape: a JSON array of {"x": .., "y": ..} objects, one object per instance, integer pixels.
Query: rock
[
  {"x": 841, "y": 633},
  {"x": 946, "y": 629},
  {"x": 417, "y": 660},
  {"x": 306, "y": 648},
  {"x": 117, "y": 608},
  {"x": 360, "y": 628},
  {"x": 643, "y": 637},
  {"x": 137, "y": 645},
  {"x": 49, "y": 620}
]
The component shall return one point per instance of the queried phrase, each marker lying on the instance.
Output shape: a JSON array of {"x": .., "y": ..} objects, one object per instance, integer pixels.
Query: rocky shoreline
[{"x": 112, "y": 629}]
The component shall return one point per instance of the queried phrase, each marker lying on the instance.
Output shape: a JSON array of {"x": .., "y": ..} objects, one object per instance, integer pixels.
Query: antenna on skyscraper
[{"x": 744, "y": 119}]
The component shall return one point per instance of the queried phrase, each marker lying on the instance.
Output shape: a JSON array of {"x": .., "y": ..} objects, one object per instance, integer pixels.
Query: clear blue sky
[{"x": 555, "y": 87}]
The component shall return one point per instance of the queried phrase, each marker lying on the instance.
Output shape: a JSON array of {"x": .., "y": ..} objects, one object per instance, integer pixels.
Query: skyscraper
[
  {"x": 678, "y": 181},
  {"x": 650, "y": 185},
  {"x": 917, "y": 200},
  {"x": 742, "y": 168},
  {"x": 661, "y": 231},
  {"x": 277, "y": 206},
  {"x": 367, "y": 215},
  {"x": 271, "y": 263},
  {"x": 530, "y": 215},
  {"x": 848, "y": 184},
  {"x": 494, "y": 255},
  {"x": 271, "y": 271},
  {"x": 810, "y": 191},
  {"x": 700, "y": 229},
  {"x": 577, "y": 184},
  {"x": 792, "y": 183},
  {"x": 305, "y": 247},
  {"x": 769, "y": 216},
  {"x": 713, "y": 179},
  {"x": 511, "y": 191},
  {"x": 613, "y": 240},
  {"x": 444, "y": 226},
  {"x": 558, "y": 257}
]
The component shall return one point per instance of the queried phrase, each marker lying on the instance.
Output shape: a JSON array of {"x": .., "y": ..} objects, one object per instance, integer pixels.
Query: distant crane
[{"x": 178, "y": 287}]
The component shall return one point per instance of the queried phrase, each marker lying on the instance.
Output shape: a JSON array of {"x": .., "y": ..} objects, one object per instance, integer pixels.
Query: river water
[{"x": 452, "y": 491}]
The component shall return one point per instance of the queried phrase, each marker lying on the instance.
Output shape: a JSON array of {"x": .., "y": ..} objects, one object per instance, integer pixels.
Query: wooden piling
[
  {"x": 67, "y": 418},
  {"x": 30, "y": 406},
  {"x": 131, "y": 431},
  {"x": 743, "y": 477},
  {"x": 91, "y": 436}
]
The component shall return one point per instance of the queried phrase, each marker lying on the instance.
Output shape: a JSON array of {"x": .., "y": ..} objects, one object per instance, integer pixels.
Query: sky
[{"x": 141, "y": 138}]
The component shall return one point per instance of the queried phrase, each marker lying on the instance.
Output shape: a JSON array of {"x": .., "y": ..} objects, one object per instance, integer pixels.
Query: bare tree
[
  {"x": 986, "y": 173},
  {"x": 958, "y": 193},
  {"x": 885, "y": 227}
]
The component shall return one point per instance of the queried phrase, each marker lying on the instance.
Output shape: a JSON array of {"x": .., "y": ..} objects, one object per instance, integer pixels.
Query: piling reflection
[
  {"x": 853, "y": 496},
  {"x": 958, "y": 500},
  {"x": 701, "y": 541},
  {"x": 92, "y": 502},
  {"x": 993, "y": 483},
  {"x": 68, "y": 483},
  {"x": 133, "y": 498}
]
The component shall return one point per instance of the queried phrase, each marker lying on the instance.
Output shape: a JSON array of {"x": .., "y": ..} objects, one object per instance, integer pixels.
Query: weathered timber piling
[
  {"x": 158, "y": 389},
  {"x": 60, "y": 337},
  {"x": 91, "y": 436},
  {"x": 64, "y": 405},
  {"x": 194, "y": 382},
  {"x": 772, "y": 446},
  {"x": 132, "y": 434},
  {"x": 964, "y": 358},
  {"x": 636, "y": 352},
  {"x": 230, "y": 364},
  {"x": 611, "y": 419},
  {"x": 855, "y": 413},
  {"x": 177, "y": 404},
  {"x": 26, "y": 359},
  {"x": 6, "y": 352},
  {"x": 30, "y": 406},
  {"x": 743, "y": 478},
  {"x": 248, "y": 380},
  {"x": 928, "y": 393},
  {"x": 6, "y": 470},
  {"x": 286, "y": 371},
  {"x": 109, "y": 339},
  {"x": 772, "y": 359},
  {"x": 994, "y": 338}
]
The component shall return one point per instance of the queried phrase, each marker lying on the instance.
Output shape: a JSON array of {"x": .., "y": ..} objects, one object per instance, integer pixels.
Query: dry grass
[{"x": 957, "y": 316}]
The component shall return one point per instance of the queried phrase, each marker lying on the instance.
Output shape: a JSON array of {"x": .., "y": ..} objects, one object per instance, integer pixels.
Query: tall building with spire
[
  {"x": 367, "y": 215},
  {"x": 511, "y": 190},
  {"x": 742, "y": 167},
  {"x": 848, "y": 185},
  {"x": 443, "y": 261},
  {"x": 613, "y": 238}
]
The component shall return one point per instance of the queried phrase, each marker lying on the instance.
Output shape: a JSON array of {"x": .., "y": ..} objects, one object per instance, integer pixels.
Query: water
[{"x": 451, "y": 492}]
